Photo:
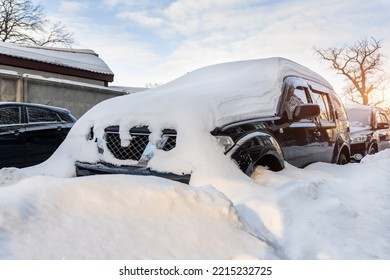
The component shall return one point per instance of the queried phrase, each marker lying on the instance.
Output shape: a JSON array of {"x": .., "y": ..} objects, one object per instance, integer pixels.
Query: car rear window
[
  {"x": 10, "y": 115},
  {"x": 36, "y": 115},
  {"x": 65, "y": 117}
]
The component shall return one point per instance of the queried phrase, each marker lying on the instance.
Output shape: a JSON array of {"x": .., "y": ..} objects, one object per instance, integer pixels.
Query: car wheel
[
  {"x": 342, "y": 159},
  {"x": 372, "y": 150}
]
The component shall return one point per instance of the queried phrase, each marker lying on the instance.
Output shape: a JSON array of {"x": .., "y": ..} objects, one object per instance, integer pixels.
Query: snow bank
[
  {"x": 324, "y": 211},
  {"x": 120, "y": 217},
  {"x": 332, "y": 212}
]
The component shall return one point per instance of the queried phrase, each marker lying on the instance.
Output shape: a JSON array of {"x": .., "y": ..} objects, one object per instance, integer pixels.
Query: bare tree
[
  {"x": 23, "y": 22},
  {"x": 361, "y": 65}
]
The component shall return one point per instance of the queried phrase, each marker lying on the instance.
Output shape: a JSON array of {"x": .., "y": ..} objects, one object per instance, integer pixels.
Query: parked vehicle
[
  {"x": 266, "y": 111},
  {"x": 30, "y": 133},
  {"x": 370, "y": 132}
]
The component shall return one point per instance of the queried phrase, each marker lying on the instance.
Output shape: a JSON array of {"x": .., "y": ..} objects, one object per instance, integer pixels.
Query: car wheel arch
[
  {"x": 269, "y": 155},
  {"x": 272, "y": 161},
  {"x": 343, "y": 156},
  {"x": 373, "y": 148}
]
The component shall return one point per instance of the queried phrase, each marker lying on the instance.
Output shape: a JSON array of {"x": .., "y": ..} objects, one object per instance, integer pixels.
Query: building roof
[{"x": 75, "y": 62}]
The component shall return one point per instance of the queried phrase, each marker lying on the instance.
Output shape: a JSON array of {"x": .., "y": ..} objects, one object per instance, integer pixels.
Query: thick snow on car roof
[
  {"x": 358, "y": 107},
  {"x": 227, "y": 92}
]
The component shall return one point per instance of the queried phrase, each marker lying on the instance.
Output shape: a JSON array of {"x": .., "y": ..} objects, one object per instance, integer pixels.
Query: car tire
[
  {"x": 342, "y": 160},
  {"x": 372, "y": 150}
]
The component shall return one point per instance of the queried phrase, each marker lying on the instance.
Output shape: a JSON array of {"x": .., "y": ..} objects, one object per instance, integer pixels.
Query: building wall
[
  {"x": 77, "y": 97},
  {"x": 8, "y": 87}
]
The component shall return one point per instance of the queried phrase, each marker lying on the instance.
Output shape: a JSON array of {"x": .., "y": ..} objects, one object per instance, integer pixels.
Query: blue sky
[{"x": 156, "y": 41}]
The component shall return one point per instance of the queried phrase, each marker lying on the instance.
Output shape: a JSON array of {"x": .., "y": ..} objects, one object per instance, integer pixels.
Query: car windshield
[{"x": 359, "y": 117}]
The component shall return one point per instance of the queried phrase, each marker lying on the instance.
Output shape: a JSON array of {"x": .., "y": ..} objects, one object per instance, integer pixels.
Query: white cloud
[
  {"x": 290, "y": 30},
  {"x": 73, "y": 6},
  {"x": 110, "y": 3},
  {"x": 191, "y": 16},
  {"x": 188, "y": 34},
  {"x": 142, "y": 18},
  {"x": 129, "y": 4}
]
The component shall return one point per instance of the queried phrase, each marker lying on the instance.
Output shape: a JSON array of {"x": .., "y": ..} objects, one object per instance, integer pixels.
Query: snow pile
[
  {"x": 333, "y": 212},
  {"x": 324, "y": 211},
  {"x": 119, "y": 217}
]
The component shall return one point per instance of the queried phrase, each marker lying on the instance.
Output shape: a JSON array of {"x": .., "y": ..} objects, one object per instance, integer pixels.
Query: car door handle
[
  {"x": 17, "y": 132},
  {"x": 59, "y": 128}
]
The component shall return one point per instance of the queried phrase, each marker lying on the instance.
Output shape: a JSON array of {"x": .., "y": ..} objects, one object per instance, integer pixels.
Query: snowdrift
[
  {"x": 324, "y": 211},
  {"x": 120, "y": 217}
]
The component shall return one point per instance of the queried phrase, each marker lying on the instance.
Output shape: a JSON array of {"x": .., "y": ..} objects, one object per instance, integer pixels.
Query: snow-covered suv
[{"x": 259, "y": 112}]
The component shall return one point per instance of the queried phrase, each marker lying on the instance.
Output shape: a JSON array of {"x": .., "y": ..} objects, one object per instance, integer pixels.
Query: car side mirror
[
  {"x": 306, "y": 111},
  {"x": 382, "y": 125}
]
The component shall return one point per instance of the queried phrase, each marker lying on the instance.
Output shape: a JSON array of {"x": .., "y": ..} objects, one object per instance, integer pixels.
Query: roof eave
[{"x": 53, "y": 68}]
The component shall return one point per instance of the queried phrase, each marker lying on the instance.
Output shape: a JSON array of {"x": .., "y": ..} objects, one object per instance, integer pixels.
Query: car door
[
  {"x": 326, "y": 121},
  {"x": 44, "y": 133},
  {"x": 301, "y": 140},
  {"x": 12, "y": 136}
]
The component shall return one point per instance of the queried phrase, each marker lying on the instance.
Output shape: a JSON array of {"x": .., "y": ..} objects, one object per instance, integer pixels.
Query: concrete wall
[
  {"x": 77, "y": 97},
  {"x": 8, "y": 87}
]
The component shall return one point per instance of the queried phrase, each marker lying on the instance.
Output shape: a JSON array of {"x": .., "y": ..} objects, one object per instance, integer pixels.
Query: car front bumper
[
  {"x": 358, "y": 151},
  {"x": 86, "y": 169}
]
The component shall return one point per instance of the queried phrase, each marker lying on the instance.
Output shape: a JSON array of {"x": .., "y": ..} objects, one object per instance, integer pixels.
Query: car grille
[
  {"x": 137, "y": 145},
  {"x": 170, "y": 143}
]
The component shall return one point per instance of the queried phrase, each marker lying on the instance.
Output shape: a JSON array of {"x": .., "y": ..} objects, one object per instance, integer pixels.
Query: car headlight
[
  {"x": 359, "y": 139},
  {"x": 225, "y": 141}
]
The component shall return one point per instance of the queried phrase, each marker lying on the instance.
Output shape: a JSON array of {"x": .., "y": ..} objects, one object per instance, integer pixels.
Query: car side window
[
  {"x": 339, "y": 110},
  {"x": 385, "y": 118},
  {"x": 297, "y": 97},
  {"x": 321, "y": 99},
  {"x": 37, "y": 115},
  {"x": 10, "y": 115},
  {"x": 381, "y": 117}
]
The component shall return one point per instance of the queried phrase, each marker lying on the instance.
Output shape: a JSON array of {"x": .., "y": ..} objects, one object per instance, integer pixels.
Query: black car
[
  {"x": 370, "y": 132},
  {"x": 264, "y": 112},
  {"x": 30, "y": 133}
]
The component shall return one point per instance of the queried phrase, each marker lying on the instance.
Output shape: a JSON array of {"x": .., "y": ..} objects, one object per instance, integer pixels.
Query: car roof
[
  {"x": 227, "y": 93},
  {"x": 54, "y": 108}
]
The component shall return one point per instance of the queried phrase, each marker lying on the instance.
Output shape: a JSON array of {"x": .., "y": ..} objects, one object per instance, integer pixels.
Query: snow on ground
[
  {"x": 120, "y": 217},
  {"x": 324, "y": 211}
]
